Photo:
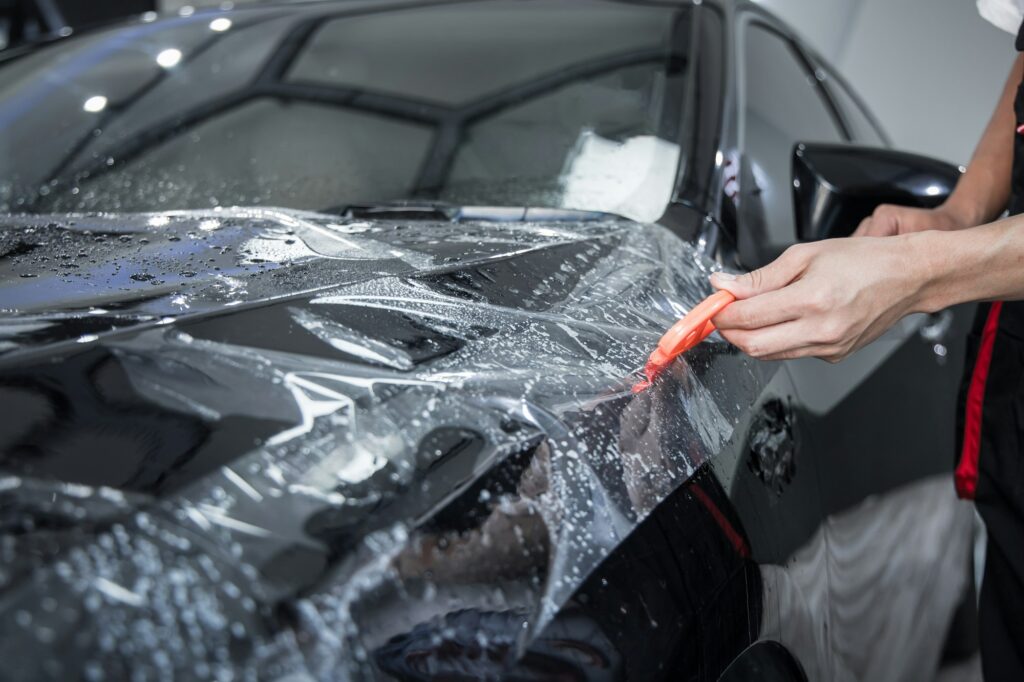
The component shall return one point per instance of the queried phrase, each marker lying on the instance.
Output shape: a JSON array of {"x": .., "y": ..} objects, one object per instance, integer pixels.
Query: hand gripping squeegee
[{"x": 684, "y": 335}]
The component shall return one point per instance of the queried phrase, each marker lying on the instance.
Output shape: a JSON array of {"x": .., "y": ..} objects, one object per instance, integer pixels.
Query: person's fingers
[
  {"x": 759, "y": 343},
  {"x": 775, "y": 275},
  {"x": 884, "y": 222},
  {"x": 774, "y": 307},
  {"x": 787, "y": 340},
  {"x": 829, "y": 354}
]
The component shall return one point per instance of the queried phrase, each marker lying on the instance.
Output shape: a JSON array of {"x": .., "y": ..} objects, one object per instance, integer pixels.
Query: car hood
[{"x": 282, "y": 442}]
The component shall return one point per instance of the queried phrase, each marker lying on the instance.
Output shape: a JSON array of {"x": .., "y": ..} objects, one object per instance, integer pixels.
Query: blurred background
[{"x": 929, "y": 69}]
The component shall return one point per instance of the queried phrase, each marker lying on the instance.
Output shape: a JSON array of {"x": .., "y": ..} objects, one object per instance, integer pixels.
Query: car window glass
[
  {"x": 265, "y": 152},
  {"x": 227, "y": 66},
  {"x": 509, "y": 46},
  {"x": 317, "y": 107},
  {"x": 605, "y": 148},
  {"x": 783, "y": 106},
  {"x": 857, "y": 120},
  {"x": 52, "y": 100}
]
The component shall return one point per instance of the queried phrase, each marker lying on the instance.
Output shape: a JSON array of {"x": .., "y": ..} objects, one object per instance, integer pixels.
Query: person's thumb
[
  {"x": 882, "y": 223},
  {"x": 775, "y": 275},
  {"x": 865, "y": 229}
]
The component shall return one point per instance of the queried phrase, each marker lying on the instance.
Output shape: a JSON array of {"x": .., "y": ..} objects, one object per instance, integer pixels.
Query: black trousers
[{"x": 992, "y": 433}]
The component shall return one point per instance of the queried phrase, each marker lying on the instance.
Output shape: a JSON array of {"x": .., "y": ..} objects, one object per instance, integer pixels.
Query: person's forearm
[
  {"x": 984, "y": 189},
  {"x": 984, "y": 263}
]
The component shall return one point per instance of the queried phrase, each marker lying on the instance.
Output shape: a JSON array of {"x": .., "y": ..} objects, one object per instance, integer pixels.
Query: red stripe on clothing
[
  {"x": 727, "y": 528},
  {"x": 967, "y": 470}
]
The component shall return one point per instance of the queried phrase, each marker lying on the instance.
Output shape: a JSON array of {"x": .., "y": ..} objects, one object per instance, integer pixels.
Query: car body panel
[{"x": 309, "y": 401}]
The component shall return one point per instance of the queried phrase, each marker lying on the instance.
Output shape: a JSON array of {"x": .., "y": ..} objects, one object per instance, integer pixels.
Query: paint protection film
[{"x": 257, "y": 443}]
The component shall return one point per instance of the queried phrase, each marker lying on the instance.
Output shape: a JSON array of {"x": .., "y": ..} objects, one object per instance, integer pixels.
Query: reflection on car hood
[{"x": 278, "y": 442}]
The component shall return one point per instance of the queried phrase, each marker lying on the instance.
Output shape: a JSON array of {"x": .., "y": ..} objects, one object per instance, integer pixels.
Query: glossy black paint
[
  {"x": 692, "y": 591},
  {"x": 673, "y": 580},
  {"x": 767, "y": 661},
  {"x": 158, "y": 404},
  {"x": 837, "y": 186}
]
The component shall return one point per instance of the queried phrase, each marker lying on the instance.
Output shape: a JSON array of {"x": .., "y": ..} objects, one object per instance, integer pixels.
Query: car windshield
[{"x": 538, "y": 103}]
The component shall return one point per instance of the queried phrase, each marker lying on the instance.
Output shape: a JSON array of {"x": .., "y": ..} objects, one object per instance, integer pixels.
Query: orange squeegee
[{"x": 684, "y": 335}]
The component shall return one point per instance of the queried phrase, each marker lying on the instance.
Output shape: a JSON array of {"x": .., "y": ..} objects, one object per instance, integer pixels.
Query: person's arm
[
  {"x": 827, "y": 299},
  {"x": 985, "y": 263},
  {"x": 982, "y": 192}
]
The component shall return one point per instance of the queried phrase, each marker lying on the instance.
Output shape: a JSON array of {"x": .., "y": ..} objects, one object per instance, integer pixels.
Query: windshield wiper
[
  {"x": 438, "y": 210},
  {"x": 402, "y": 210}
]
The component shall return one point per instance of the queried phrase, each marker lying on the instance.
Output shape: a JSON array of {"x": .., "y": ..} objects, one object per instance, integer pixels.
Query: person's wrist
[{"x": 927, "y": 260}]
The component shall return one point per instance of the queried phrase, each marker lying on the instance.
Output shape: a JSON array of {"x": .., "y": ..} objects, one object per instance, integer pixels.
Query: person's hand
[
  {"x": 888, "y": 220},
  {"x": 825, "y": 299}
]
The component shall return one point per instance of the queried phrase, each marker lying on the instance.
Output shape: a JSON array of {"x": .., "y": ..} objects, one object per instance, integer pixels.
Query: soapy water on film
[{"x": 446, "y": 475}]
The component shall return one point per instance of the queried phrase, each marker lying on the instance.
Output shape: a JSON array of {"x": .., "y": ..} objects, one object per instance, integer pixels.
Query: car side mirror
[{"x": 836, "y": 186}]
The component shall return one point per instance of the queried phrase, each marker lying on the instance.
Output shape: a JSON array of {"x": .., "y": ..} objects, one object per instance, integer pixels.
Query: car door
[{"x": 880, "y": 425}]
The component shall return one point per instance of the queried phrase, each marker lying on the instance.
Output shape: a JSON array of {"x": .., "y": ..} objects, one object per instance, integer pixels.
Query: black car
[{"x": 319, "y": 326}]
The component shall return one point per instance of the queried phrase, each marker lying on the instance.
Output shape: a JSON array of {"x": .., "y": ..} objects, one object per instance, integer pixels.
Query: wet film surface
[{"x": 281, "y": 445}]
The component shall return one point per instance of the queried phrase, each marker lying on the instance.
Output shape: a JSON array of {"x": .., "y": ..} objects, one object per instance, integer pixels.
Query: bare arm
[
  {"x": 827, "y": 299},
  {"x": 985, "y": 263},
  {"x": 983, "y": 190}
]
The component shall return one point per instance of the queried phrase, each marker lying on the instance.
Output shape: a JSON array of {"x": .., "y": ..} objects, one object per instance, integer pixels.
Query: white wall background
[{"x": 931, "y": 70}]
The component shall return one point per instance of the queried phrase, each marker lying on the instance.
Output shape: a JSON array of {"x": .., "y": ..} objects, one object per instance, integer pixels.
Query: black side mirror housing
[{"x": 835, "y": 186}]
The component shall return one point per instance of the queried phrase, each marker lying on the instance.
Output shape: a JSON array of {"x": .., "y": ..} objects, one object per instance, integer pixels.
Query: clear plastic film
[{"x": 258, "y": 443}]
